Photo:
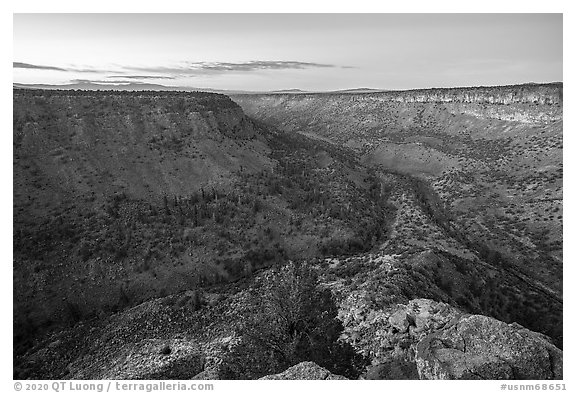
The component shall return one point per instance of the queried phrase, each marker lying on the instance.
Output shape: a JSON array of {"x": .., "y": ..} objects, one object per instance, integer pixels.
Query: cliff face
[
  {"x": 549, "y": 94},
  {"x": 145, "y": 144},
  {"x": 73, "y": 108},
  {"x": 524, "y": 103}
]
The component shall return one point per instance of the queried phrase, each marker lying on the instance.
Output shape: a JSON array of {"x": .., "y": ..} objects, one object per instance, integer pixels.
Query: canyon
[{"x": 159, "y": 234}]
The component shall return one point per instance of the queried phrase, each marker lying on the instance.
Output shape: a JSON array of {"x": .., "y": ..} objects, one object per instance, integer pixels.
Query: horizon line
[{"x": 359, "y": 90}]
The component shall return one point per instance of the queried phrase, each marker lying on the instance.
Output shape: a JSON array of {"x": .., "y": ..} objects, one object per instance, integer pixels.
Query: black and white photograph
[{"x": 287, "y": 196}]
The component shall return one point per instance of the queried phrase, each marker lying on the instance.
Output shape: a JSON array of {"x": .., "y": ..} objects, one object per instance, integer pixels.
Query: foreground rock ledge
[
  {"x": 479, "y": 347},
  {"x": 305, "y": 370}
]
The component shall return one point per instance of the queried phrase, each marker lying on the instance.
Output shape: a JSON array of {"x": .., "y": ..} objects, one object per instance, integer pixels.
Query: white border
[{"x": 260, "y": 6}]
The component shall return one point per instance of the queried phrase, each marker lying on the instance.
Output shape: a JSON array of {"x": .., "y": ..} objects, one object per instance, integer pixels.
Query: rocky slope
[{"x": 170, "y": 338}]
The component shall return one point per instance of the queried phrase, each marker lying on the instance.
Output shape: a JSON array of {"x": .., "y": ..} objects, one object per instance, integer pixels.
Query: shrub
[
  {"x": 166, "y": 350},
  {"x": 296, "y": 320}
]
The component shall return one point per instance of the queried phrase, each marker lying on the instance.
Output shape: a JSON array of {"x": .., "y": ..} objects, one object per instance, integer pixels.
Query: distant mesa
[
  {"x": 360, "y": 90},
  {"x": 134, "y": 86},
  {"x": 140, "y": 86},
  {"x": 290, "y": 91},
  {"x": 128, "y": 86}
]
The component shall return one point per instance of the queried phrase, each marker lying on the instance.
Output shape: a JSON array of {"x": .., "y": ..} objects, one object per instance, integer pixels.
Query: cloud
[
  {"x": 142, "y": 76},
  {"x": 260, "y": 65},
  {"x": 187, "y": 69},
  {"x": 104, "y": 82},
  {"x": 16, "y": 64},
  {"x": 203, "y": 68}
]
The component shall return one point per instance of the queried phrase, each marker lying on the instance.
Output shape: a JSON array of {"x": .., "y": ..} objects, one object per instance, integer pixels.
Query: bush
[
  {"x": 295, "y": 320},
  {"x": 166, "y": 350}
]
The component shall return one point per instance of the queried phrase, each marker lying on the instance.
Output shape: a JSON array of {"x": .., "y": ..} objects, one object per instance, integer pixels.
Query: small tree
[{"x": 293, "y": 318}]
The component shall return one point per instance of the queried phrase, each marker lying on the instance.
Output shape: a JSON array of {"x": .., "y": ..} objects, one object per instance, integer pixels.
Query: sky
[{"x": 263, "y": 52}]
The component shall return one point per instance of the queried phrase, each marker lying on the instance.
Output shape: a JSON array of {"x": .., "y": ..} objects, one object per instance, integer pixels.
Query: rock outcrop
[
  {"x": 479, "y": 347},
  {"x": 391, "y": 334},
  {"x": 441, "y": 342},
  {"x": 305, "y": 370}
]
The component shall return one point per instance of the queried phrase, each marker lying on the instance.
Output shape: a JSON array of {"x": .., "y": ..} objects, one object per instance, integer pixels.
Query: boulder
[
  {"x": 480, "y": 347},
  {"x": 394, "y": 368},
  {"x": 305, "y": 370},
  {"x": 399, "y": 321},
  {"x": 208, "y": 374}
]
